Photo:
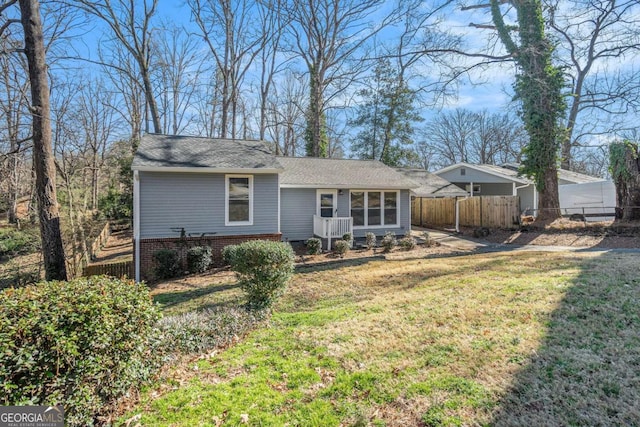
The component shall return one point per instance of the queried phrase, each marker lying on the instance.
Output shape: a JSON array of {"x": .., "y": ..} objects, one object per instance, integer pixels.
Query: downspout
[{"x": 136, "y": 224}]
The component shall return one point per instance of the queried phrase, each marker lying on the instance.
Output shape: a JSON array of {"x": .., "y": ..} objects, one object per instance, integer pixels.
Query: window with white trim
[
  {"x": 238, "y": 200},
  {"x": 374, "y": 208}
]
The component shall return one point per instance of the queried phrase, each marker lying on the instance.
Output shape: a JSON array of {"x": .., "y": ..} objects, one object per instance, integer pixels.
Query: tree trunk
[
  {"x": 52, "y": 247},
  {"x": 626, "y": 175},
  {"x": 549, "y": 201}
]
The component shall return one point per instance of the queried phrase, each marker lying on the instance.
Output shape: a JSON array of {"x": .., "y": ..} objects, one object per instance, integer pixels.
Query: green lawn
[{"x": 489, "y": 339}]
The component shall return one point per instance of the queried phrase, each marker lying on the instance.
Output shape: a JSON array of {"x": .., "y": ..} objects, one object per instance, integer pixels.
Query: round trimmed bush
[
  {"x": 82, "y": 344},
  {"x": 389, "y": 241},
  {"x": 199, "y": 259},
  {"x": 314, "y": 246},
  {"x": 263, "y": 269},
  {"x": 342, "y": 247},
  {"x": 407, "y": 243},
  {"x": 371, "y": 240},
  {"x": 167, "y": 264}
]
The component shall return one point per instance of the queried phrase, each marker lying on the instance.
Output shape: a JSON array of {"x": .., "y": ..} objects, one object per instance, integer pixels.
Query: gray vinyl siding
[
  {"x": 527, "y": 195},
  {"x": 297, "y": 208},
  {"x": 471, "y": 175},
  {"x": 196, "y": 202},
  {"x": 493, "y": 189}
]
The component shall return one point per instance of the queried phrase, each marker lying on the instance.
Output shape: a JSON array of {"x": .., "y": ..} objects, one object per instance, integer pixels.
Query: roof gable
[
  {"x": 431, "y": 185},
  {"x": 497, "y": 171}
]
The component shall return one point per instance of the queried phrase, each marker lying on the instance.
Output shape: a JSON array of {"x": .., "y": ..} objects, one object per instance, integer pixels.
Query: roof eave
[
  {"x": 192, "y": 169},
  {"x": 480, "y": 169},
  {"x": 348, "y": 186}
]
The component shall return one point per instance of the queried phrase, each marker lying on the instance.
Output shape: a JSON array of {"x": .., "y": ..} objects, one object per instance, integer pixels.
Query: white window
[
  {"x": 238, "y": 200},
  {"x": 375, "y": 209}
]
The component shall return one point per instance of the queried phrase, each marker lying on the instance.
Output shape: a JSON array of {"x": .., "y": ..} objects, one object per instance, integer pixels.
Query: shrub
[
  {"x": 389, "y": 241},
  {"x": 18, "y": 242},
  {"x": 263, "y": 269},
  {"x": 342, "y": 247},
  {"x": 199, "y": 259},
  {"x": 314, "y": 246},
  {"x": 348, "y": 237},
  {"x": 201, "y": 331},
  {"x": 167, "y": 263},
  {"x": 371, "y": 240},
  {"x": 116, "y": 205},
  {"x": 407, "y": 243},
  {"x": 481, "y": 232},
  {"x": 82, "y": 344},
  {"x": 428, "y": 240}
]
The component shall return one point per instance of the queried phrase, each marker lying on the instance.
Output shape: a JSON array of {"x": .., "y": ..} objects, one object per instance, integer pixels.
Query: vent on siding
[{"x": 463, "y": 171}]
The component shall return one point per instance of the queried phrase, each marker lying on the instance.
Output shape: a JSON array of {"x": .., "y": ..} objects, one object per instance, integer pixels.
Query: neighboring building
[
  {"x": 190, "y": 191},
  {"x": 491, "y": 180},
  {"x": 431, "y": 185}
]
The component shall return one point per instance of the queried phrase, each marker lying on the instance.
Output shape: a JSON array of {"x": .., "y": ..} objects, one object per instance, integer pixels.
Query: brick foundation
[{"x": 181, "y": 245}]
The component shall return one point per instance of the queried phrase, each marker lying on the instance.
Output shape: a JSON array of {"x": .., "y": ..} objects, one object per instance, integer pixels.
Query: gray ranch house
[{"x": 192, "y": 191}]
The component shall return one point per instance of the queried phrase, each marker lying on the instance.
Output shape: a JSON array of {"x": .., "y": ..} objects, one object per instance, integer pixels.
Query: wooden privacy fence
[
  {"x": 481, "y": 211},
  {"x": 115, "y": 269}
]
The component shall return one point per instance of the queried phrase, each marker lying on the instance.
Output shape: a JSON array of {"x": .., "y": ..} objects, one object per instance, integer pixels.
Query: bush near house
[
  {"x": 199, "y": 259},
  {"x": 167, "y": 264},
  {"x": 407, "y": 243},
  {"x": 342, "y": 247},
  {"x": 263, "y": 269},
  {"x": 314, "y": 246},
  {"x": 371, "y": 240},
  {"x": 389, "y": 241},
  {"x": 82, "y": 344}
]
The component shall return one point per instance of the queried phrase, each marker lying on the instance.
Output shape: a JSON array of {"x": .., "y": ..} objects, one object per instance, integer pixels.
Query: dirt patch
[
  {"x": 119, "y": 247},
  {"x": 563, "y": 232}
]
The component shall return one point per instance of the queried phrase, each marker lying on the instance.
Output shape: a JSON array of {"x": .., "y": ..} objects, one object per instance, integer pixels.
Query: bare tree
[
  {"x": 16, "y": 131},
  {"x": 129, "y": 22},
  {"x": 34, "y": 49},
  {"x": 123, "y": 77},
  {"x": 474, "y": 137},
  {"x": 285, "y": 115},
  {"x": 595, "y": 37},
  {"x": 234, "y": 40},
  {"x": 327, "y": 34},
  {"x": 178, "y": 62}
]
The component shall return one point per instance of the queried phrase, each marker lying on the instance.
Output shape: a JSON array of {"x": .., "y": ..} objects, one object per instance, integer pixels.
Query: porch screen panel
[
  {"x": 357, "y": 207},
  {"x": 239, "y": 199},
  {"x": 374, "y": 208},
  {"x": 390, "y": 208}
]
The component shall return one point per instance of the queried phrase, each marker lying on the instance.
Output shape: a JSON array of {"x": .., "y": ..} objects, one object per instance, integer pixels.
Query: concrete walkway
[{"x": 456, "y": 241}]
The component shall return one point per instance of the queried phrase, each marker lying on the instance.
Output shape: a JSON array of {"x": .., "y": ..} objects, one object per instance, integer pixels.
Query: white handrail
[{"x": 333, "y": 227}]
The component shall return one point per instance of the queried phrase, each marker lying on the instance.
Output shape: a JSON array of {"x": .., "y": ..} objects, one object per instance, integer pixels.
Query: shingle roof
[
  {"x": 431, "y": 185},
  {"x": 336, "y": 173},
  {"x": 172, "y": 151},
  {"x": 566, "y": 175}
]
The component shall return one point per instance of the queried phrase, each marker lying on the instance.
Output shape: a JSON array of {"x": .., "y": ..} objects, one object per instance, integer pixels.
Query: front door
[{"x": 327, "y": 203}]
